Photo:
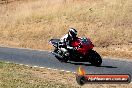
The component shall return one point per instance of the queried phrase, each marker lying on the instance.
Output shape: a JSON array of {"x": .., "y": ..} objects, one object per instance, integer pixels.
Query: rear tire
[
  {"x": 64, "y": 59},
  {"x": 95, "y": 58}
]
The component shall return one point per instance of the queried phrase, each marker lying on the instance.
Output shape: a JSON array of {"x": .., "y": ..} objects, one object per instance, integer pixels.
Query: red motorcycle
[{"x": 83, "y": 51}]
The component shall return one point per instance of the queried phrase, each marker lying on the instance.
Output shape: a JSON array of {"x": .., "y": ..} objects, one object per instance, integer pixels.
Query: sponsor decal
[{"x": 82, "y": 78}]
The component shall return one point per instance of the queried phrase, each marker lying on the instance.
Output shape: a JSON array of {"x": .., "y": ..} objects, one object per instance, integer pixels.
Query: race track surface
[{"x": 46, "y": 59}]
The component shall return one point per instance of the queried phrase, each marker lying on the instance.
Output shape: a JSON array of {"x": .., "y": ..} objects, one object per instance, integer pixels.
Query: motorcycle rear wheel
[{"x": 64, "y": 59}]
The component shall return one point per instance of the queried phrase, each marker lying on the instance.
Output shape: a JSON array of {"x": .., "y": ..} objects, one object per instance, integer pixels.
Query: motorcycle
[{"x": 82, "y": 52}]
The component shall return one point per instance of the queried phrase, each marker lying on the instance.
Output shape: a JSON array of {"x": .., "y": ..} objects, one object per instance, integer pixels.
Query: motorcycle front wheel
[{"x": 94, "y": 58}]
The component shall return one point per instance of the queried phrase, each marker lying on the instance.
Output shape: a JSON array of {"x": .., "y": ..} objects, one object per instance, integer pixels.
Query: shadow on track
[{"x": 88, "y": 64}]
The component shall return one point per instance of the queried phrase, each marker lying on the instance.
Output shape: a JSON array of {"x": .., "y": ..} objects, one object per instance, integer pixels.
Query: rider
[{"x": 69, "y": 37}]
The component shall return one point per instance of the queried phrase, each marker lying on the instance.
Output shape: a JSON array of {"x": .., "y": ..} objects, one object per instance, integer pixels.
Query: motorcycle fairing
[{"x": 83, "y": 45}]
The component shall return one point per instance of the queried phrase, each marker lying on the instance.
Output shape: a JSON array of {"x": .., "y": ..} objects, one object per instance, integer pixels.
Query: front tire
[{"x": 95, "y": 58}]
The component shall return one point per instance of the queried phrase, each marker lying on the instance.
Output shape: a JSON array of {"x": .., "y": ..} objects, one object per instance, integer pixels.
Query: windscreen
[{"x": 85, "y": 41}]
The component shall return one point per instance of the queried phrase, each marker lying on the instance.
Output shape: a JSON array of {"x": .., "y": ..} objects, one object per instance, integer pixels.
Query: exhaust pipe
[{"x": 56, "y": 54}]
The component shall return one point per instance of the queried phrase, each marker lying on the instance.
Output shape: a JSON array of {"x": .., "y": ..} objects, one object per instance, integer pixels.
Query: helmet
[{"x": 72, "y": 32}]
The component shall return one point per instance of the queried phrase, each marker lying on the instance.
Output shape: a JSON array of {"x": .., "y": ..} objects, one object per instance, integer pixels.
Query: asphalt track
[{"x": 46, "y": 59}]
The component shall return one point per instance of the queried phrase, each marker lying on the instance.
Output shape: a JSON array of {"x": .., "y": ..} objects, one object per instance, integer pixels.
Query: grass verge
[{"x": 18, "y": 76}]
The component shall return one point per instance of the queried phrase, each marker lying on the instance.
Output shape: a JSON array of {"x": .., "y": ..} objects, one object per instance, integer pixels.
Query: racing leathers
[{"x": 65, "y": 42}]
